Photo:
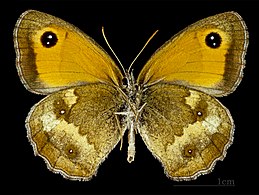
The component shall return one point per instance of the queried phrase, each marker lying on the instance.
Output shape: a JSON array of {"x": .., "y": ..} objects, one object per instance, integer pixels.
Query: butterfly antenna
[
  {"x": 142, "y": 49},
  {"x": 113, "y": 51}
]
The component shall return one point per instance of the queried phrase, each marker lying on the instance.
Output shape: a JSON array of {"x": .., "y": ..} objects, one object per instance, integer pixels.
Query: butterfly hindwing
[
  {"x": 186, "y": 130},
  {"x": 75, "y": 129}
]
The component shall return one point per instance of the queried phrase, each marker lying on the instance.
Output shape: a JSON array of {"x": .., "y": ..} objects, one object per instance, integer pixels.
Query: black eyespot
[
  {"x": 213, "y": 40},
  {"x": 199, "y": 113},
  {"x": 201, "y": 110},
  {"x": 61, "y": 109},
  {"x": 71, "y": 151},
  {"x": 49, "y": 39},
  {"x": 189, "y": 151}
]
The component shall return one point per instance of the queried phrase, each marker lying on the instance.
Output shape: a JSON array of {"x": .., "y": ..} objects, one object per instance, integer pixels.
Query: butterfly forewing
[
  {"x": 53, "y": 54},
  {"x": 207, "y": 55}
]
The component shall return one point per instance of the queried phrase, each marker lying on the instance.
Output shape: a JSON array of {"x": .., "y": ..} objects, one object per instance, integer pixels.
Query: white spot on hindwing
[
  {"x": 211, "y": 123},
  {"x": 49, "y": 121},
  {"x": 70, "y": 97},
  {"x": 192, "y": 99}
]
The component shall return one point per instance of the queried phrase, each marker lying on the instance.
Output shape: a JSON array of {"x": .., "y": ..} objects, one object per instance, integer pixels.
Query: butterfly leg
[{"x": 121, "y": 131}]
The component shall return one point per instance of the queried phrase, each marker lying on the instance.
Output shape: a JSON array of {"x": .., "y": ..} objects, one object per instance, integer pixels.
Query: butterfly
[{"x": 91, "y": 102}]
